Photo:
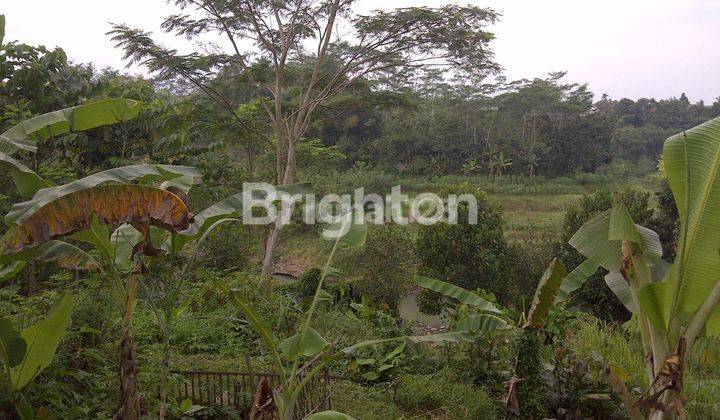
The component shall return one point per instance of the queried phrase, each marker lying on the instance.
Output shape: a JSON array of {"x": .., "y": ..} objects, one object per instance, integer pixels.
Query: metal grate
[{"x": 236, "y": 389}]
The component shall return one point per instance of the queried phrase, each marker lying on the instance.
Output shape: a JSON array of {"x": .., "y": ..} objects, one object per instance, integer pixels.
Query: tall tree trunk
[
  {"x": 291, "y": 166},
  {"x": 270, "y": 246},
  {"x": 289, "y": 172}
]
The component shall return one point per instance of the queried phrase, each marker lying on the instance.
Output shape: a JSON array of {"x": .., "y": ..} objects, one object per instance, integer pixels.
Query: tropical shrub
[
  {"x": 473, "y": 256},
  {"x": 530, "y": 389},
  {"x": 228, "y": 248},
  {"x": 388, "y": 263},
  {"x": 526, "y": 261}
]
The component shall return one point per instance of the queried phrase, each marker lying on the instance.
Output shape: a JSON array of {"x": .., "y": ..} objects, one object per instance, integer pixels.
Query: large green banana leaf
[
  {"x": 656, "y": 300},
  {"x": 42, "y": 340},
  {"x": 600, "y": 240},
  {"x": 230, "y": 207},
  {"x": 480, "y": 324},
  {"x": 312, "y": 344},
  {"x": 545, "y": 294},
  {"x": 12, "y": 345},
  {"x": 124, "y": 174},
  {"x": 456, "y": 292},
  {"x": 575, "y": 279},
  {"x": 59, "y": 252},
  {"x": 24, "y": 136},
  {"x": 692, "y": 164},
  {"x": 620, "y": 287},
  {"x": 601, "y": 244},
  {"x": 26, "y": 180}
]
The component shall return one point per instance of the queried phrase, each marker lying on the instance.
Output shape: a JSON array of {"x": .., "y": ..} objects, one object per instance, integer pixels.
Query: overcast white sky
[{"x": 625, "y": 48}]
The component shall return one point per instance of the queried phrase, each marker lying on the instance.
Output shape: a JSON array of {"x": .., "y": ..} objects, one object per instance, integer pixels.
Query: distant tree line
[
  {"x": 411, "y": 123},
  {"x": 542, "y": 126}
]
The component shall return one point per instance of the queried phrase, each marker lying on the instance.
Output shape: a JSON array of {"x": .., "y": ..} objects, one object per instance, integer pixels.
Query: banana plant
[
  {"x": 553, "y": 288},
  {"x": 24, "y": 354},
  {"x": 675, "y": 304},
  {"x": 483, "y": 317},
  {"x": 24, "y": 137},
  {"x": 165, "y": 295},
  {"x": 306, "y": 354},
  {"x": 521, "y": 398},
  {"x": 82, "y": 211},
  {"x": 126, "y": 198}
]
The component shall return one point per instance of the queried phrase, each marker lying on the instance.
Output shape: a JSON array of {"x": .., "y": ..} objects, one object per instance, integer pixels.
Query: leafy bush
[
  {"x": 526, "y": 262},
  {"x": 308, "y": 283},
  {"x": 442, "y": 395},
  {"x": 430, "y": 302},
  {"x": 228, "y": 247},
  {"x": 530, "y": 390},
  {"x": 388, "y": 265},
  {"x": 76, "y": 383},
  {"x": 469, "y": 255}
]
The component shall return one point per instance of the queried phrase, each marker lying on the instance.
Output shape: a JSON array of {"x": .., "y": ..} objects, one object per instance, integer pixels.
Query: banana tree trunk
[
  {"x": 164, "y": 379},
  {"x": 129, "y": 395}
]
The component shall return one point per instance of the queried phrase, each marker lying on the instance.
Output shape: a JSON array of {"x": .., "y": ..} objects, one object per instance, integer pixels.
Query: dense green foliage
[
  {"x": 528, "y": 370},
  {"x": 540, "y": 156},
  {"x": 389, "y": 263},
  {"x": 469, "y": 255}
]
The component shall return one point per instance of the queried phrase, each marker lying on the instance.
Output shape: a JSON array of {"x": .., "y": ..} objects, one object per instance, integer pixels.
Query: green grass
[
  {"x": 624, "y": 349},
  {"x": 531, "y": 205},
  {"x": 365, "y": 402},
  {"x": 526, "y": 215}
]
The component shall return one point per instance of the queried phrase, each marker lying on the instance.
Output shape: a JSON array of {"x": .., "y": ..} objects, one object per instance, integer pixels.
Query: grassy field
[
  {"x": 528, "y": 214},
  {"x": 532, "y": 206}
]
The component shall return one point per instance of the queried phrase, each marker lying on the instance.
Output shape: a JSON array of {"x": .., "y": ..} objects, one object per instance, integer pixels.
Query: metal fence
[{"x": 237, "y": 389}]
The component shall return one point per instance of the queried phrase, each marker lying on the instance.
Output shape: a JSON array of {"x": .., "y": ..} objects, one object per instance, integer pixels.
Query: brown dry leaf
[
  {"x": 263, "y": 407},
  {"x": 511, "y": 400},
  {"x": 138, "y": 205},
  {"x": 670, "y": 379},
  {"x": 615, "y": 378}
]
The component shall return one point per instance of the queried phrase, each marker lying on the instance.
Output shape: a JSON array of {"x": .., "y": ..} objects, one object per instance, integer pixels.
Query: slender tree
[{"x": 301, "y": 53}]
